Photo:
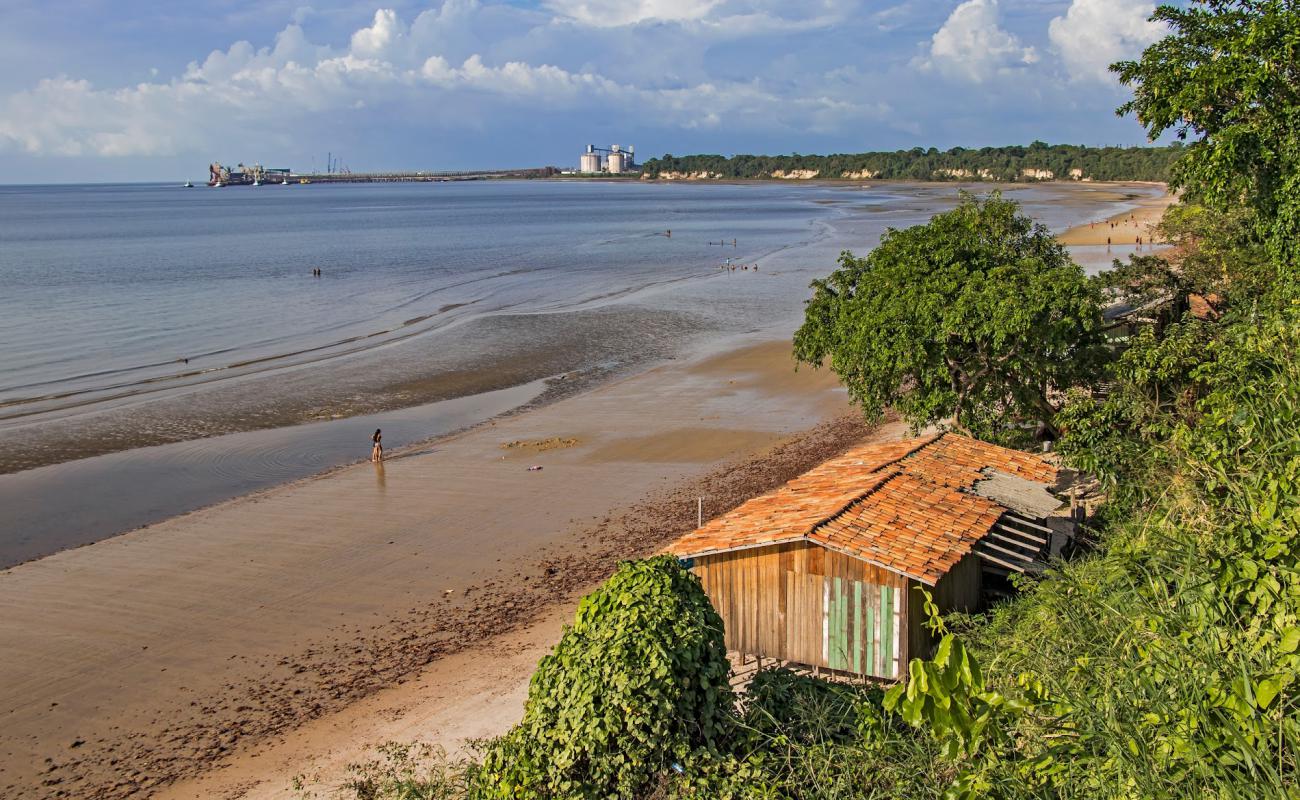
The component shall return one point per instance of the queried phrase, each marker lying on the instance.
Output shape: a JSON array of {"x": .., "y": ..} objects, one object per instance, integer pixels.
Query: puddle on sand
[{"x": 75, "y": 503}]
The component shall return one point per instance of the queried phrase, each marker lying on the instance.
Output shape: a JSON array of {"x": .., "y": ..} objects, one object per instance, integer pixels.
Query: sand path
[{"x": 144, "y": 658}]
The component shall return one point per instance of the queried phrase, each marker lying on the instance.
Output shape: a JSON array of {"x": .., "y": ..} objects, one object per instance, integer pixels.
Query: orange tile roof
[{"x": 904, "y": 506}]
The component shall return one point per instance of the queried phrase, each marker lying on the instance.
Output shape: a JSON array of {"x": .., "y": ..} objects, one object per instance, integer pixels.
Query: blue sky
[{"x": 128, "y": 90}]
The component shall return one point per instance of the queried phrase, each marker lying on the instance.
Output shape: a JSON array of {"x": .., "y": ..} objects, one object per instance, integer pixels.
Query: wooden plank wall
[
  {"x": 959, "y": 590},
  {"x": 800, "y": 602}
]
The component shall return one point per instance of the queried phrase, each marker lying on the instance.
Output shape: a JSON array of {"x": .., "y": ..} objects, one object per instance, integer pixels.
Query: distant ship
[{"x": 189, "y": 185}]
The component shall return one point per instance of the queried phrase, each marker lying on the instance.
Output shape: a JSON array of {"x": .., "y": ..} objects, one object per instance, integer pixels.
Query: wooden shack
[{"x": 827, "y": 570}]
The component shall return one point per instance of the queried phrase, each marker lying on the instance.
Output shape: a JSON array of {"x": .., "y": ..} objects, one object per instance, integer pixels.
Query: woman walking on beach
[{"x": 377, "y": 452}]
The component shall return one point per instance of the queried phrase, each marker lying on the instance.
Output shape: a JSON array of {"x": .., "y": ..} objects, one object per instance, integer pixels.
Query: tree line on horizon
[{"x": 1007, "y": 163}]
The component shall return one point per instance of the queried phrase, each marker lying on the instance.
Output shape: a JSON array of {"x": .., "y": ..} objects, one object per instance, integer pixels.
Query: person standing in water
[{"x": 377, "y": 452}]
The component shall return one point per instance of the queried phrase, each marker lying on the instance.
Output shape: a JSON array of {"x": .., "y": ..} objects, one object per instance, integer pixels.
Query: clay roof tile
[{"x": 903, "y": 505}]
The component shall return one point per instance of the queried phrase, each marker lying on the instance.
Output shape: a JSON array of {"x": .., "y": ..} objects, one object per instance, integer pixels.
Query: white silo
[
  {"x": 590, "y": 162},
  {"x": 615, "y": 161}
]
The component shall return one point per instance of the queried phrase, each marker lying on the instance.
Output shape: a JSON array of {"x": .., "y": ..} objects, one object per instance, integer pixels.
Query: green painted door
[{"x": 860, "y": 621}]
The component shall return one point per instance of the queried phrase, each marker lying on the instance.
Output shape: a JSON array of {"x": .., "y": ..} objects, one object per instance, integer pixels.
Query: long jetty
[{"x": 430, "y": 177}]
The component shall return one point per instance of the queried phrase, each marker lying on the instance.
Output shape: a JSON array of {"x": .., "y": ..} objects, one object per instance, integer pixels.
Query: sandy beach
[
  {"x": 153, "y": 656},
  {"x": 1122, "y": 228}
]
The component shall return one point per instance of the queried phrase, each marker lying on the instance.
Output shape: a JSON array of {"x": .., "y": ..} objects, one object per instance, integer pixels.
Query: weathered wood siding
[
  {"x": 803, "y": 603},
  {"x": 959, "y": 590}
]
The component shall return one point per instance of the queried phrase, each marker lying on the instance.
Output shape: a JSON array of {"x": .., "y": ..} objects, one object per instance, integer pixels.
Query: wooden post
[{"x": 699, "y": 512}]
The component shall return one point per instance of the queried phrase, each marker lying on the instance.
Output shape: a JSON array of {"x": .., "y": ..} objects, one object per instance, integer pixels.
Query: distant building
[
  {"x": 613, "y": 159},
  {"x": 1037, "y": 174}
]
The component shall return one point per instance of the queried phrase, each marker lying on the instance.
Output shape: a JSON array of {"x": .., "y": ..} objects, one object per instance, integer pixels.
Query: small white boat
[
  {"x": 189, "y": 185},
  {"x": 257, "y": 183},
  {"x": 284, "y": 182}
]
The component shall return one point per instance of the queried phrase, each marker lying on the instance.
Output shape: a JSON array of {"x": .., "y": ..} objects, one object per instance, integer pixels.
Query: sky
[{"x": 107, "y": 90}]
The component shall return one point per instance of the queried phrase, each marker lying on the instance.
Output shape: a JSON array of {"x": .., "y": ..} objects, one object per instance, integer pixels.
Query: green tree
[
  {"x": 978, "y": 315},
  {"x": 1218, "y": 251},
  {"x": 638, "y": 682},
  {"x": 1229, "y": 77}
]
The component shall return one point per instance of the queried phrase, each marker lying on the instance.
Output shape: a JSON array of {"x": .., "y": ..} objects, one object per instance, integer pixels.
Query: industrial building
[{"x": 612, "y": 160}]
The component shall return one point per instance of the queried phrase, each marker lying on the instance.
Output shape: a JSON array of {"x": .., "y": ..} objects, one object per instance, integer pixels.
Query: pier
[
  {"x": 400, "y": 177},
  {"x": 258, "y": 175}
]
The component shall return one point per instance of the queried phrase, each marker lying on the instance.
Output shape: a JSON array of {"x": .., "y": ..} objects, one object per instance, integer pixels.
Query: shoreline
[
  {"x": 1139, "y": 221},
  {"x": 150, "y": 655}
]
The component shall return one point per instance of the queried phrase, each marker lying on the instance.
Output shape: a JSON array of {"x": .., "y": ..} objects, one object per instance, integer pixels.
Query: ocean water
[
  {"x": 113, "y": 288},
  {"x": 135, "y": 319}
]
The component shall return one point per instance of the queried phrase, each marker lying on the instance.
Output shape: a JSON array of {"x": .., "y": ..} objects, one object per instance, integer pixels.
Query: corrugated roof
[{"x": 904, "y": 506}]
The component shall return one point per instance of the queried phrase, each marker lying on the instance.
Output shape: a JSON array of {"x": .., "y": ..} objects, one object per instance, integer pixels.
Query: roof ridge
[
  {"x": 879, "y": 469},
  {"x": 924, "y": 444},
  {"x": 861, "y": 497}
]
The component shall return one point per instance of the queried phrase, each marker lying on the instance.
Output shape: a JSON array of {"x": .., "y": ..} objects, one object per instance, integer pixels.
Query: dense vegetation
[
  {"x": 1165, "y": 663},
  {"x": 959, "y": 163}
]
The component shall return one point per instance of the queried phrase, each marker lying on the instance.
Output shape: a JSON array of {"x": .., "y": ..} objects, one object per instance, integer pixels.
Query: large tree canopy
[
  {"x": 978, "y": 315},
  {"x": 1228, "y": 75}
]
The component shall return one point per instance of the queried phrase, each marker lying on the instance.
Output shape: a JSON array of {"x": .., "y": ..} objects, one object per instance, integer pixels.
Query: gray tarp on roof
[{"x": 1028, "y": 498}]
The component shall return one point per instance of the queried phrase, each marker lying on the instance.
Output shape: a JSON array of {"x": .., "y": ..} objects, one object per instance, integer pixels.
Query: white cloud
[
  {"x": 972, "y": 46},
  {"x": 613, "y": 13},
  {"x": 517, "y": 78},
  {"x": 383, "y": 34},
  {"x": 723, "y": 19},
  {"x": 1094, "y": 34}
]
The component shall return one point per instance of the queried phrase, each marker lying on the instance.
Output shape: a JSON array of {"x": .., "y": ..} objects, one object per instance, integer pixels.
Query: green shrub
[
  {"x": 638, "y": 682},
  {"x": 781, "y": 702}
]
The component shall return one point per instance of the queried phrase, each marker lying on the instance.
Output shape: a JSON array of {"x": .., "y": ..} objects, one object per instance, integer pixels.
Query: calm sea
[{"x": 109, "y": 287}]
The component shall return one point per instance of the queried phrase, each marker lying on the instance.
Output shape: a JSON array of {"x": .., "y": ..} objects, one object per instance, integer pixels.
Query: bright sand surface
[
  {"x": 153, "y": 655},
  {"x": 1128, "y": 225}
]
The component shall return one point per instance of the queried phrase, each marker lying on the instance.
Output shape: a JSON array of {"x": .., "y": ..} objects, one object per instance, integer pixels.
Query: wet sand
[
  {"x": 51, "y": 508},
  {"x": 586, "y": 345},
  {"x": 148, "y": 657}
]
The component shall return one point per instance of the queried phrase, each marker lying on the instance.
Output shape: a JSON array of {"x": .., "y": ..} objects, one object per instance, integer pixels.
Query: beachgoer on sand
[{"x": 377, "y": 452}]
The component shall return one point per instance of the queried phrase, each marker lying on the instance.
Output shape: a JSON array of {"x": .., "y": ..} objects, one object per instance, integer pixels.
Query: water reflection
[{"x": 48, "y": 509}]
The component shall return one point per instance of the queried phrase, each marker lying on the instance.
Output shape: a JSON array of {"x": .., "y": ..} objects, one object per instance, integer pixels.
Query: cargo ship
[{"x": 241, "y": 175}]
